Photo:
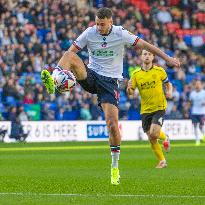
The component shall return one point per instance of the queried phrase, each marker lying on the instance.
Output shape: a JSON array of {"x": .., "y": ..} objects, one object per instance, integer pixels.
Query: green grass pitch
[{"x": 79, "y": 173}]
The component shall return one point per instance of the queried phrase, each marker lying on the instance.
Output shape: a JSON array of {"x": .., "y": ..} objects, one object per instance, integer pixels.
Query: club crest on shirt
[{"x": 104, "y": 44}]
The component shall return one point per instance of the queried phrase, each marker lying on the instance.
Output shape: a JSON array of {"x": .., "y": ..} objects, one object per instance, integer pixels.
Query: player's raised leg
[
  {"x": 70, "y": 61},
  {"x": 111, "y": 117}
]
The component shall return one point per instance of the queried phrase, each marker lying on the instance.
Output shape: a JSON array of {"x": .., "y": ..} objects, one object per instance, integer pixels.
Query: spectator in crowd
[
  {"x": 22, "y": 115},
  {"x": 174, "y": 101},
  {"x": 60, "y": 114},
  {"x": 28, "y": 99},
  {"x": 1, "y": 117},
  {"x": 164, "y": 15},
  {"x": 17, "y": 131},
  {"x": 175, "y": 114},
  {"x": 30, "y": 37},
  {"x": 47, "y": 113},
  {"x": 85, "y": 112},
  {"x": 95, "y": 110}
]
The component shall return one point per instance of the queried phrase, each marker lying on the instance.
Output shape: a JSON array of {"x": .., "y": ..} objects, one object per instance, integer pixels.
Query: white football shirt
[
  {"x": 106, "y": 51},
  {"x": 198, "y": 101}
]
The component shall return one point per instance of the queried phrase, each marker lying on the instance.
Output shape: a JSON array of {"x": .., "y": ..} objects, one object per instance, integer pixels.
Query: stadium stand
[{"x": 34, "y": 34}]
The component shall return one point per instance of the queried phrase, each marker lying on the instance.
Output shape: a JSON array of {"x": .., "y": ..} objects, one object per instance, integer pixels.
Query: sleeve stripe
[
  {"x": 74, "y": 43},
  {"x": 166, "y": 80},
  {"x": 136, "y": 40}
]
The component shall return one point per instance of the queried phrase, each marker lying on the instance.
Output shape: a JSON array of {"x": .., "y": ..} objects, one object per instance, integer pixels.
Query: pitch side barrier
[{"x": 56, "y": 131}]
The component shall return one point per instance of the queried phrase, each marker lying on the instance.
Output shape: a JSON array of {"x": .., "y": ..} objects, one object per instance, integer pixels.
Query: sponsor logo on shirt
[
  {"x": 103, "y": 53},
  {"x": 148, "y": 85}
]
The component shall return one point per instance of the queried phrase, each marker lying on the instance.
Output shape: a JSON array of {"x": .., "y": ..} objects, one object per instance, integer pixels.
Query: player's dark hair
[
  {"x": 146, "y": 50},
  {"x": 104, "y": 13}
]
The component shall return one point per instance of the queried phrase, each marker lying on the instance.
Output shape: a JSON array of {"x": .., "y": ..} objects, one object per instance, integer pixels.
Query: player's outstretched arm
[{"x": 153, "y": 49}]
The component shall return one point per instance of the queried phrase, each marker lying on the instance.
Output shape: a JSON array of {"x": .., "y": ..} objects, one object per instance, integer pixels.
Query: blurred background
[{"x": 35, "y": 34}]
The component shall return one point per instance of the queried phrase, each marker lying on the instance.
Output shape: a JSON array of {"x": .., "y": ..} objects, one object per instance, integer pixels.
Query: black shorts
[
  {"x": 198, "y": 119},
  {"x": 106, "y": 88},
  {"x": 154, "y": 117}
]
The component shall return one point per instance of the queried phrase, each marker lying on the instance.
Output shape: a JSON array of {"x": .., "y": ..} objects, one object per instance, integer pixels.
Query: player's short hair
[
  {"x": 146, "y": 50},
  {"x": 104, "y": 13}
]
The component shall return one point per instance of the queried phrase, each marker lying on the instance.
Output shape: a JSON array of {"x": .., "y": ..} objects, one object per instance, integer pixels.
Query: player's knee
[
  {"x": 152, "y": 140},
  {"x": 153, "y": 135},
  {"x": 112, "y": 125}
]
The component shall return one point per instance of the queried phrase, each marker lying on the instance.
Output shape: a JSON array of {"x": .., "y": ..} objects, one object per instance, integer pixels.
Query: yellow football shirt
[{"x": 150, "y": 86}]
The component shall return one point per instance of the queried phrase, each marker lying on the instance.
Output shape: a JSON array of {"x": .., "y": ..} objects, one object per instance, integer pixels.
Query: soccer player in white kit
[
  {"x": 105, "y": 43},
  {"x": 197, "y": 98}
]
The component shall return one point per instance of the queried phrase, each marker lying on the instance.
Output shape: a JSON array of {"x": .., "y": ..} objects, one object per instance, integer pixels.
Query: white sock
[
  {"x": 115, "y": 159},
  {"x": 196, "y": 132}
]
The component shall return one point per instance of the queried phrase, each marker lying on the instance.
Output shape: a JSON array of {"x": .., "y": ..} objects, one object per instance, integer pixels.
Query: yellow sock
[
  {"x": 162, "y": 135},
  {"x": 158, "y": 151}
]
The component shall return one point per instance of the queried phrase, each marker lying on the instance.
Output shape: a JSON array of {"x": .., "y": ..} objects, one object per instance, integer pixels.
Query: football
[{"x": 64, "y": 80}]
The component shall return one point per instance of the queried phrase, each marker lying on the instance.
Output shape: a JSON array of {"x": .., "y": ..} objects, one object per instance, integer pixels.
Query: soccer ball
[{"x": 64, "y": 80}]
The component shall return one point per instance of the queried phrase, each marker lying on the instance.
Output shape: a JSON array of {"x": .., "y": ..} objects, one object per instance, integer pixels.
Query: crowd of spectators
[{"x": 35, "y": 34}]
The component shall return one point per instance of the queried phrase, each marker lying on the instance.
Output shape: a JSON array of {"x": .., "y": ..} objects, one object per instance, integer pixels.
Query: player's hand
[
  {"x": 174, "y": 62},
  {"x": 130, "y": 89},
  {"x": 169, "y": 95},
  {"x": 129, "y": 84}
]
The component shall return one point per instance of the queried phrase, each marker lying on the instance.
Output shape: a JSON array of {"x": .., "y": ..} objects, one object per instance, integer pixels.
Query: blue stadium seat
[
  {"x": 170, "y": 53},
  {"x": 190, "y": 78},
  {"x": 5, "y": 115},
  {"x": 71, "y": 115},
  {"x": 37, "y": 77},
  {"x": 123, "y": 99},
  {"x": 41, "y": 33},
  {"x": 178, "y": 84},
  {"x": 198, "y": 69},
  {"x": 1, "y": 91},
  {"x": 53, "y": 106},
  {"x": 2, "y": 107},
  {"x": 11, "y": 101},
  {"x": 187, "y": 40},
  {"x": 133, "y": 115},
  {"x": 170, "y": 73}
]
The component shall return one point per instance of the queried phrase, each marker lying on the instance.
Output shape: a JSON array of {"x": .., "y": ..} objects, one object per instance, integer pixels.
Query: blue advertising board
[{"x": 97, "y": 131}]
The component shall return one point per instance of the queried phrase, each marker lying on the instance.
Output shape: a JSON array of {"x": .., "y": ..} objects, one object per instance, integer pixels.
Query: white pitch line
[
  {"x": 101, "y": 195},
  {"x": 157, "y": 196}
]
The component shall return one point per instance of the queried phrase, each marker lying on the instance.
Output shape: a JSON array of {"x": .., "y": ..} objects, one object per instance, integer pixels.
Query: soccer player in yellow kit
[{"x": 149, "y": 79}]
